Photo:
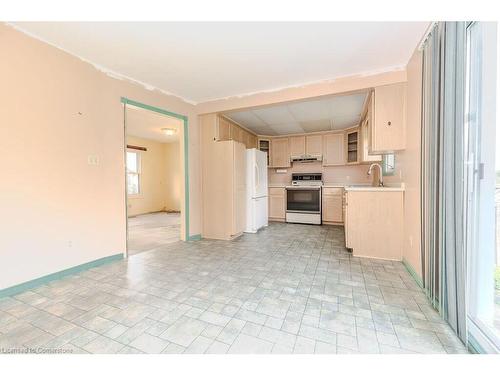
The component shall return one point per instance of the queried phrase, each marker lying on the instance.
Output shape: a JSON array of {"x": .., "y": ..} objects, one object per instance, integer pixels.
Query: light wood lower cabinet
[
  {"x": 374, "y": 224},
  {"x": 332, "y": 206},
  {"x": 277, "y": 204}
]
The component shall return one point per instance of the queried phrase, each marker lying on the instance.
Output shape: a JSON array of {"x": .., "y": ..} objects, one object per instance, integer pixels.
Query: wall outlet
[
  {"x": 280, "y": 170},
  {"x": 93, "y": 160}
]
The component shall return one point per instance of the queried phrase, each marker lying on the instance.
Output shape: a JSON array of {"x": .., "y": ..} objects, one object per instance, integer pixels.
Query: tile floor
[
  {"x": 288, "y": 289},
  {"x": 149, "y": 231}
]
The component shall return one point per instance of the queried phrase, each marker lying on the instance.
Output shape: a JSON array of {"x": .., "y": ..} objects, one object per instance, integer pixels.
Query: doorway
[{"x": 156, "y": 180}]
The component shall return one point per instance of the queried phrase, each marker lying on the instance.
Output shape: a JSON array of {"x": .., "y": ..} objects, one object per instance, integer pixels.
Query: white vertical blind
[{"x": 442, "y": 172}]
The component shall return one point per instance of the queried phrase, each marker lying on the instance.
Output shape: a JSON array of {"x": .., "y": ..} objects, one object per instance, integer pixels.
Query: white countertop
[
  {"x": 325, "y": 185},
  {"x": 354, "y": 187},
  {"x": 342, "y": 185},
  {"x": 395, "y": 187}
]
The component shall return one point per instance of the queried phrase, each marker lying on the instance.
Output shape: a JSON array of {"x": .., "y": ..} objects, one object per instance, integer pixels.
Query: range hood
[{"x": 306, "y": 158}]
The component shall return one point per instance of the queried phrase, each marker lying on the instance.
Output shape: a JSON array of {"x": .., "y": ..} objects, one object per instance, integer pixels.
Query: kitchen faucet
[{"x": 380, "y": 176}]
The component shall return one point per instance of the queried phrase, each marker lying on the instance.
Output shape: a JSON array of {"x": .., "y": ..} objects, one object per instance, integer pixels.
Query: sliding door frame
[{"x": 480, "y": 145}]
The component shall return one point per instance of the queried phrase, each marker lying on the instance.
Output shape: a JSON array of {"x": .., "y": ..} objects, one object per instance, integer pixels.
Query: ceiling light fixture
[{"x": 169, "y": 131}]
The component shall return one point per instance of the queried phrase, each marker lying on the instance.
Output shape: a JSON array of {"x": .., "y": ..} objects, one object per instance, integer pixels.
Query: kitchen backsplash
[{"x": 343, "y": 174}]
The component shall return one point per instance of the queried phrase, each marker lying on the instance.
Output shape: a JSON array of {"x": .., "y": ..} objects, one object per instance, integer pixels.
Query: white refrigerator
[{"x": 256, "y": 200}]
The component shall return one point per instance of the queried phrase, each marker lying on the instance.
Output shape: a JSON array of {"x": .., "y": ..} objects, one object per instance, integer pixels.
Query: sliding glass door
[{"x": 482, "y": 186}]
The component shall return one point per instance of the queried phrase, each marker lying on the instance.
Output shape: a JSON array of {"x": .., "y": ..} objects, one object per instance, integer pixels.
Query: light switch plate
[{"x": 93, "y": 160}]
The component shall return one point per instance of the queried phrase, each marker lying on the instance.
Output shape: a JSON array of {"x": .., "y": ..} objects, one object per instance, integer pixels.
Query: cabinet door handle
[{"x": 388, "y": 123}]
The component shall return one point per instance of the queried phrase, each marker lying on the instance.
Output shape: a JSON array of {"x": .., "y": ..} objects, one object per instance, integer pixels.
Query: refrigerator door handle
[{"x": 257, "y": 177}]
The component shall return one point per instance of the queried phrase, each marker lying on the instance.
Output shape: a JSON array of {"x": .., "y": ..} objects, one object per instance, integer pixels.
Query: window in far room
[{"x": 133, "y": 173}]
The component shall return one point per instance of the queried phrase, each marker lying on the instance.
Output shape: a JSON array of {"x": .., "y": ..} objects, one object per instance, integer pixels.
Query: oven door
[{"x": 303, "y": 200}]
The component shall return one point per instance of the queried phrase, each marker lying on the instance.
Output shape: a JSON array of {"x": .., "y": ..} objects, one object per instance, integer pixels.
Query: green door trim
[{"x": 184, "y": 119}]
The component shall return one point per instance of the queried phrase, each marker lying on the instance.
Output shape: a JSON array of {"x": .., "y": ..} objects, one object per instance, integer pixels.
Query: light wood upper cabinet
[
  {"x": 245, "y": 138},
  {"x": 314, "y": 144},
  {"x": 280, "y": 155},
  {"x": 297, "y": 146},
  {"x": 236, "y": 133},
  {"x": 306, "y": 144},
  {"x": 333, "y": 149},
  {"x": 252, "y": 141},
  {"x": 223, "y": 132},
  {"x": 226, "y": 130},
  {"x": 248, "y": 139},
  {"x": 332, "y": 210},
  {"x": 277, "y": 204},
  {"x": 364, "y": 133},
  {"x": 388, "y": 128}
]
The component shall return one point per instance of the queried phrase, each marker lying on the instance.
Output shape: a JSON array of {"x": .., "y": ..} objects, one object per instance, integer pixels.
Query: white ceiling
[
  {"x": 201, "y": 61},
  {"x": 148, "y": 124},
  {"x": 331, "y": 113}
]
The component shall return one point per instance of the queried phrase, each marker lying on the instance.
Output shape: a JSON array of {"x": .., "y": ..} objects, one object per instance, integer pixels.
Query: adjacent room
[
  {"x": 153, "y": 179},
  {"x": 249, "y": 187}
]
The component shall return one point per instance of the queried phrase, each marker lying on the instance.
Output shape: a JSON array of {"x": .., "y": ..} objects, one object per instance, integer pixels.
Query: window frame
[
  {"x": 388, "y": 169},
  {"x": 137, "y": 173}
]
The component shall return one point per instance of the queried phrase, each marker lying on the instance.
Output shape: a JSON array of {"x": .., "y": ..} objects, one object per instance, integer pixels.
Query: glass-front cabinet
[{"x": 265, "y": 146}]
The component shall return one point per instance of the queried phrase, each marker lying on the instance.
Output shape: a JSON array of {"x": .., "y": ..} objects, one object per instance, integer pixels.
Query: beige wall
[
  {"x": 57, "y": 211},
  {"x": 160, "y": 179},
  {"x": 409, "y": 161},
  {"x": 174, "y": 177}
]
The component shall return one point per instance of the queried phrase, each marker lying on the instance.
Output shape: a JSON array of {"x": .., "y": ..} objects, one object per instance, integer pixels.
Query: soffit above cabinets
[{"x": 332, "y": 113}]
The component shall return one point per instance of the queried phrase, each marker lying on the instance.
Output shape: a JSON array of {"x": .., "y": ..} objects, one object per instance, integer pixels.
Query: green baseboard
[
  {"x": 195, "y": 237},
  {"x": 16, "y": 289},
  {"x": 413, "y": 274}
]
